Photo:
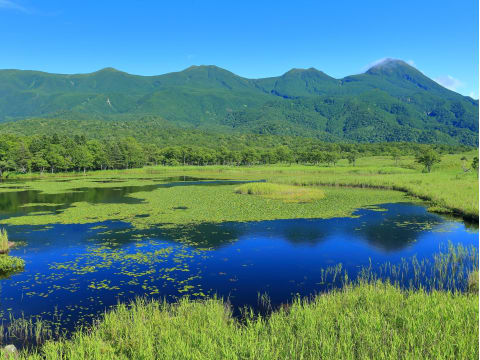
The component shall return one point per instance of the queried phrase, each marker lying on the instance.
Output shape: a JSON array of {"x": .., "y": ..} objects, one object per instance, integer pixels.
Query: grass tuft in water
[
  {"x": 287, "y": 193},
  {"x": 29, "y": 333},
  {"x": 8, "y": 264},
  {"x": 4, "y": 243},
  {"x": 450, "y": 270}
]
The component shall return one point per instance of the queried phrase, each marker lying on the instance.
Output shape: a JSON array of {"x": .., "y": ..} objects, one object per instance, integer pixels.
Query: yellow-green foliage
[
  {"x": 367, "y": 321},
  {"x": 9, "y": 264},
  {"x": 287, "y": 193},
  {"x": 4, "y": 246}
]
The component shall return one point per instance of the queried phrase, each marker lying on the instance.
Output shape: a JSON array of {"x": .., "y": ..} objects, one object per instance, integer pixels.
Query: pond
[{"x": 76, "y": 271}]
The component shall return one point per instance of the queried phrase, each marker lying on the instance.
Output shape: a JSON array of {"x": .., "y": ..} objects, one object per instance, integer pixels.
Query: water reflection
[{"x": 394, "y": 228}]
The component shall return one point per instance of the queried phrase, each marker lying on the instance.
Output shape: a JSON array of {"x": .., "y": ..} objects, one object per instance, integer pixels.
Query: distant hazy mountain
[{"x": 392, "y": 101}]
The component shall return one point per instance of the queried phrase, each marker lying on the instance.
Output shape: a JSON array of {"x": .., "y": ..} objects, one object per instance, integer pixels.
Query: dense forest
[
  {"x": 391, "y": 102},
  {"x": 56, "y": 153}
]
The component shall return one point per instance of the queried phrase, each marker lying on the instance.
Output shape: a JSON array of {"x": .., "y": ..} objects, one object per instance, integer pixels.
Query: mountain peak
[
  {"x": 389, "y": 65},
  {"x": 108, "y": 69},
  {"x": 301, "y": 70},
  {"x": 204, "y": 67},
  {"x": 306, "y": 73}
]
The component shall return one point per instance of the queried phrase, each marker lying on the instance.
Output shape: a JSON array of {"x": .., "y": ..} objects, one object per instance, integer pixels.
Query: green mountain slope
[{"x": 392, "y": 101}]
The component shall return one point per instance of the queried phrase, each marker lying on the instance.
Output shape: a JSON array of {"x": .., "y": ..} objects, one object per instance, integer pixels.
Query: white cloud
[
  {"x": 374, "y": 63},
  {"x": 9, "y": 4},
  {"x": 473, "y": 95},
  {"x": 384, "y": 59},
  {"x": 449, "y": 82}
]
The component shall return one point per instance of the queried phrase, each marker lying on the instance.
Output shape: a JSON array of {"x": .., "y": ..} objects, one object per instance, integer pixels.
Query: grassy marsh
[
  {"x": 448, "y": 187},
  {"x": 206, "y": 203}
]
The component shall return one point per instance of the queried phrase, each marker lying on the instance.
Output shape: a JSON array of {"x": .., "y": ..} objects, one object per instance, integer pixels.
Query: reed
[{"x": 4, "y": 243}]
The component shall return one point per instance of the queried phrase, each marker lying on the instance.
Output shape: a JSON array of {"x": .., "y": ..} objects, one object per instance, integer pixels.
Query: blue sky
[{"x": 250, "y": 38}]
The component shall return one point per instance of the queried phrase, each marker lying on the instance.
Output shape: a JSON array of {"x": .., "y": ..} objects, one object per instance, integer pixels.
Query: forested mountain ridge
[{"x": 392, "y": 101}]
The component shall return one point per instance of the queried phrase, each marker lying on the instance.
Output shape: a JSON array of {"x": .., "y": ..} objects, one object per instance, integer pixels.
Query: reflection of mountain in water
[
  {"x": 397, "y": 227},
  {"x": 393, "y": 229}
]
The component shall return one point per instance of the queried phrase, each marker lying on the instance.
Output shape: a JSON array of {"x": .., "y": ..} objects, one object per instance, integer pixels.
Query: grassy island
[{"x": 8, "y": 264}]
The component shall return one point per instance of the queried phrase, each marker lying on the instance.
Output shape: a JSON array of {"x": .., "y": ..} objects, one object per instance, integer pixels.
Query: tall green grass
[
  {"x": 4, "y": 244},
  {"x": 452, "y": 269},
  {"x": 363, "y": 321}
]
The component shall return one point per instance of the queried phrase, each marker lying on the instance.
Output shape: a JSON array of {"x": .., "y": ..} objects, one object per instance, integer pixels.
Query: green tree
[
  {"x": 475, "y": 164},
  {"x": 21, "y": 156},
  {"x": 250, "y": 156},
  {"x": 284, "y": 154},
  {"x": 331, "y": 158},
  {"x": 132, "y": 153},
  {"x": 97, "y": 149},
  {"x": 82, "y": 158},
  {"x": 115, "y": 156},
  {"x": 352, "y": 157},
  {"x": 3, "y": 166},
  {"x": 428, "y": 159},
  {"x": 316, "y": 157},
  {"x": 395, "y": 153},
  {"x": 39, "y": 162},
  {"x": 54, "y": 157}
]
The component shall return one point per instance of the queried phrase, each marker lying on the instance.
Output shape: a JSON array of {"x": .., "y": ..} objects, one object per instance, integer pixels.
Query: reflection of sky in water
[{"x": 81, "y": 269}]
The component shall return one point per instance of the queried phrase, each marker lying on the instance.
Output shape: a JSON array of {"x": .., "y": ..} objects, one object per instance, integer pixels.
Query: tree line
[{"x": 42, "y": 153}]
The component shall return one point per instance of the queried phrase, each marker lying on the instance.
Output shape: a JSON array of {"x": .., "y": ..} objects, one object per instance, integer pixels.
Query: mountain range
[{"x": 392, "y": 101}]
